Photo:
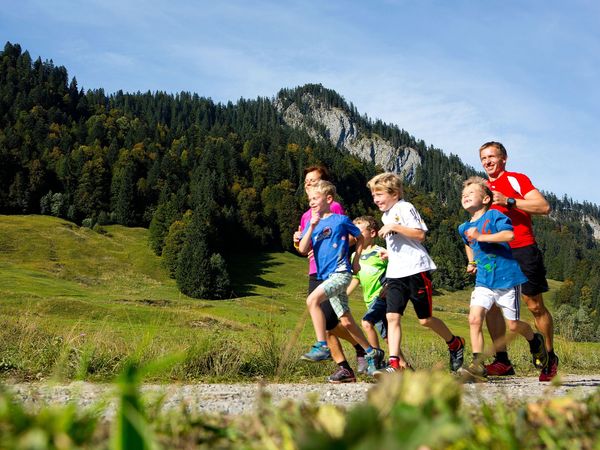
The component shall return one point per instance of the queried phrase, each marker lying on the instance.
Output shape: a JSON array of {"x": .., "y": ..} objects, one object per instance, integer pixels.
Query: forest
[{"x": 213, "y": 180}]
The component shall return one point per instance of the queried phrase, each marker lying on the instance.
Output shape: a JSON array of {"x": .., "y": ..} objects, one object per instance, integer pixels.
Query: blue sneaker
[
  {"x": 317, "y": 353},
  {"x": 374, "y": 360}
]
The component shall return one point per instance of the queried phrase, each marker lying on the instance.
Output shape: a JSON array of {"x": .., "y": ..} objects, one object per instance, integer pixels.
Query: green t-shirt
[{"x": 372, "y": 273}]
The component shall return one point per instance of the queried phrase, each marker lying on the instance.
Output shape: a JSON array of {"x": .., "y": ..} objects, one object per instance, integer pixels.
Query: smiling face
[
  {"x": 310, "y": 179},
  {"x": 493, "y": 161},
  {"x": 384, "y": 200},
  {"x": 318, "y": 202},
  {"x": 474, "y": 198}
]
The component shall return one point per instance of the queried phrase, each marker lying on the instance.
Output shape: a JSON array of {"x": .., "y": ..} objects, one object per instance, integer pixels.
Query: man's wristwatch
[{"x": 510, "y": 202}]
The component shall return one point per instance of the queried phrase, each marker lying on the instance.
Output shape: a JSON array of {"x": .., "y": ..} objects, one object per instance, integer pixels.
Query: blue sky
[{"x": 453, "y": 73}]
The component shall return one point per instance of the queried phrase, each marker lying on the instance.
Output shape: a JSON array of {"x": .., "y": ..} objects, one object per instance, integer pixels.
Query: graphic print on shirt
[{"x": 324, "y": 234}]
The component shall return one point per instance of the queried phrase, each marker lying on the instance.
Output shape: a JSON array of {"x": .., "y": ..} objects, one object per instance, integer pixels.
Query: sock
[
  {"x": 454, "y": 343},
  {"x": 322, "y": 343},
  {"x": 344, "y": 364},
  {"x": 502, "y": 357},
  {"x": 552, "y": 354},
  {"x": 360, "y": 352},
  {"x": 534, "y": 344},
  {"x": 477, "y": 359},
  {"x": 369, "y": 350},
  {"x": 394, "y": 362}
]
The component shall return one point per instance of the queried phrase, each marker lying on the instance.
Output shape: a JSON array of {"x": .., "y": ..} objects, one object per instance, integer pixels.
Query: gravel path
[{"x": 241, "y": 398}]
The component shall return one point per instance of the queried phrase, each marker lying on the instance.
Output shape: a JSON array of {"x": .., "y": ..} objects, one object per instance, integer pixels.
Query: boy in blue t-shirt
[
  {"x": 327, "y": 235},
  {"x": 498, "y": 275}
]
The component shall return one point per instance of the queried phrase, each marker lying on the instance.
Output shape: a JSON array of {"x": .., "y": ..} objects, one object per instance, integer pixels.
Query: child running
[
  {"x": 498, "y": 276},
  {"x": 371, "y": 278},
  {"x": 327, "y": 235},
  {"x": 407, "y": 272}
]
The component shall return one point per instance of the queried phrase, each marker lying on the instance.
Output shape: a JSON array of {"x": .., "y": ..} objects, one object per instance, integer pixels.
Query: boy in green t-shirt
[{"x": 373, "y": 264}]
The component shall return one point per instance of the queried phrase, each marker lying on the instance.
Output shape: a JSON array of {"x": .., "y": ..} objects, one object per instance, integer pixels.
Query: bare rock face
[
  {"x": 324, "y": 122},
  {"x": 593, "y": 223}
]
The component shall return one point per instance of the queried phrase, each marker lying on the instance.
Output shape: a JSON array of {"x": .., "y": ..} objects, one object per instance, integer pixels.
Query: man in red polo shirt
[{"x": 515, "y": 196}]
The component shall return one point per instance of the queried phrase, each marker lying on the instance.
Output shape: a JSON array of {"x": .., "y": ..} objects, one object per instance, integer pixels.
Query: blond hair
[
  {"x": 323, "y": 187},
  {"x": 483, "y": 187},
  {"x": 388, "y": 181}
]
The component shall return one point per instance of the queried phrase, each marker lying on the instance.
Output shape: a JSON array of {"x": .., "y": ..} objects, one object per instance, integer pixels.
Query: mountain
[
  {"x": 211, "y": 179},
  {"x": 338, "y": 126}
]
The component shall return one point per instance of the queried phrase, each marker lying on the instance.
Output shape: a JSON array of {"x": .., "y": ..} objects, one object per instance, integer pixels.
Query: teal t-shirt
[{"x": 372, "y": 273}]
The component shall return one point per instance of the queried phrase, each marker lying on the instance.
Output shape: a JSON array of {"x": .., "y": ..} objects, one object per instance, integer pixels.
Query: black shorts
[
  {"x": 331, "y": 318},
  {"x": 416, "y": 288},
  {"x": 531, "y": 260}
]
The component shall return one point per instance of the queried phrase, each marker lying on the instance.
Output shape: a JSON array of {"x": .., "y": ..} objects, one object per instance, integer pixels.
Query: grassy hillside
[{"x": 77, "y": 303}]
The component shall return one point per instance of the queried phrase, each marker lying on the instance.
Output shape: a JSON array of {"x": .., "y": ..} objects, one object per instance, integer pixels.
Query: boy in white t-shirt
[{"x": 408, "y": 270}]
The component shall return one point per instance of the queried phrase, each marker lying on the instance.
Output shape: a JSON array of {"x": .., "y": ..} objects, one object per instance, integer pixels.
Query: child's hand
[
  {"x": 472, "y": 234},
  {"x": 471, "y": 269},
  {"x": 315, "y": 218},
  {"x": 383, "y": 254},
  {"x": 385, "y": 230}
]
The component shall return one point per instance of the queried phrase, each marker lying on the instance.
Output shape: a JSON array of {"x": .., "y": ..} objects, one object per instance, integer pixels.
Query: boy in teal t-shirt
[{"x": 371, "y": 277}]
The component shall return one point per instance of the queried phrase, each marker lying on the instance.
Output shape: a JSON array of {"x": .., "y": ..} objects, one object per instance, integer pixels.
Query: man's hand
[{"x": 499, "y": 199}]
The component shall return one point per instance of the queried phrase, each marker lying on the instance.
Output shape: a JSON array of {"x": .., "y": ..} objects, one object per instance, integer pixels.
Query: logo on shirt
[{"x": 324, "y": 234}]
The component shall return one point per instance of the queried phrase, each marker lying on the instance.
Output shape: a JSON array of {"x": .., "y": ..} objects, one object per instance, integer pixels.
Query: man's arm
[{"x": 533, "y": 202}]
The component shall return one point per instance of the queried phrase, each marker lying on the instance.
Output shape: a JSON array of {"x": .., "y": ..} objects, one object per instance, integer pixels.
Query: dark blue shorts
[{"x": 376, "y": 315}]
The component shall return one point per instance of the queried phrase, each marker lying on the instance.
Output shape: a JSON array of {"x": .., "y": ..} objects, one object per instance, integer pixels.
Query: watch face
[{"x": 510, "y": 202}]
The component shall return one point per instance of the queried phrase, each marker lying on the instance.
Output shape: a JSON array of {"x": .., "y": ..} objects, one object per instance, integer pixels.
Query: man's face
[{"x": 493, "y": 161}]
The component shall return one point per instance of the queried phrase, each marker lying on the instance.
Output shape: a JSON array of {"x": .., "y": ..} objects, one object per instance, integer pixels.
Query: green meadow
[{"x": 77, "y": 303}]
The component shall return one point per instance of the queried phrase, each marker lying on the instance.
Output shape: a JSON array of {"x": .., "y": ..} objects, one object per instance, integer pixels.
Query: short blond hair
[
  {"x": 323, "y": 187},
  {"x": 387, "y": 181},
  {"x": 483, "y": 186}
]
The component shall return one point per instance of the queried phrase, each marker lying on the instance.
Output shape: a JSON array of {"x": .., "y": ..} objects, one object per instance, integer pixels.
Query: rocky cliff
[{"x": 324, "y": 122}]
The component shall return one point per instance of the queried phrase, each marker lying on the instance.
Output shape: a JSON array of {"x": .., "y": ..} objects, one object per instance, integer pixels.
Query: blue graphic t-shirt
[
  {"x": 496, "y": 267},
  {"x": 330, "y": 244}
]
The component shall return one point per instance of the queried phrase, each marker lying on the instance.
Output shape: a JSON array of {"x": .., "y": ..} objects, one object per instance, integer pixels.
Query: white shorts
[{"x": 509, "y": 300}]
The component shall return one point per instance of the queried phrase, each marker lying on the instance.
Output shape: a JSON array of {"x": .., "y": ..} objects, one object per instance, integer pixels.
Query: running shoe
[
  {"x": 362, "y": 365},
  {"x": 374, "y": 360},
  {"x": 473, "y": 373},
  {"x": 540, "y": 355},
  {"x": 457, "y": 356},
  {"x": 342, "y": 375},
  {"x": 499, "y": 369},
  {"x": 550, "y": 370},
  {"x": 317, "y": 353},
  {"x": 388, "y": 370}
]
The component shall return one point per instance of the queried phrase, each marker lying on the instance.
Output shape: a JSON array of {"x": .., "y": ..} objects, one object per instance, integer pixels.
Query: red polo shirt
[{"x": 516, "y": 185}]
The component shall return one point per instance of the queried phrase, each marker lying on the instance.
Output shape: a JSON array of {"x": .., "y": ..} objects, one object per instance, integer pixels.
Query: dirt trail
[{"x": 241, "y": 398}]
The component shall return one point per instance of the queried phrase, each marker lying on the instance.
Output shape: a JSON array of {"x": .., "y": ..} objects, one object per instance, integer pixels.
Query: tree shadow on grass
[{"x": 246, "y": 271}]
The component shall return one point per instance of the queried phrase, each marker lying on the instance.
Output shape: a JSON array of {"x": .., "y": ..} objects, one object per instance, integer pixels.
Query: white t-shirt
[{"x": 405, "y": 256}]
